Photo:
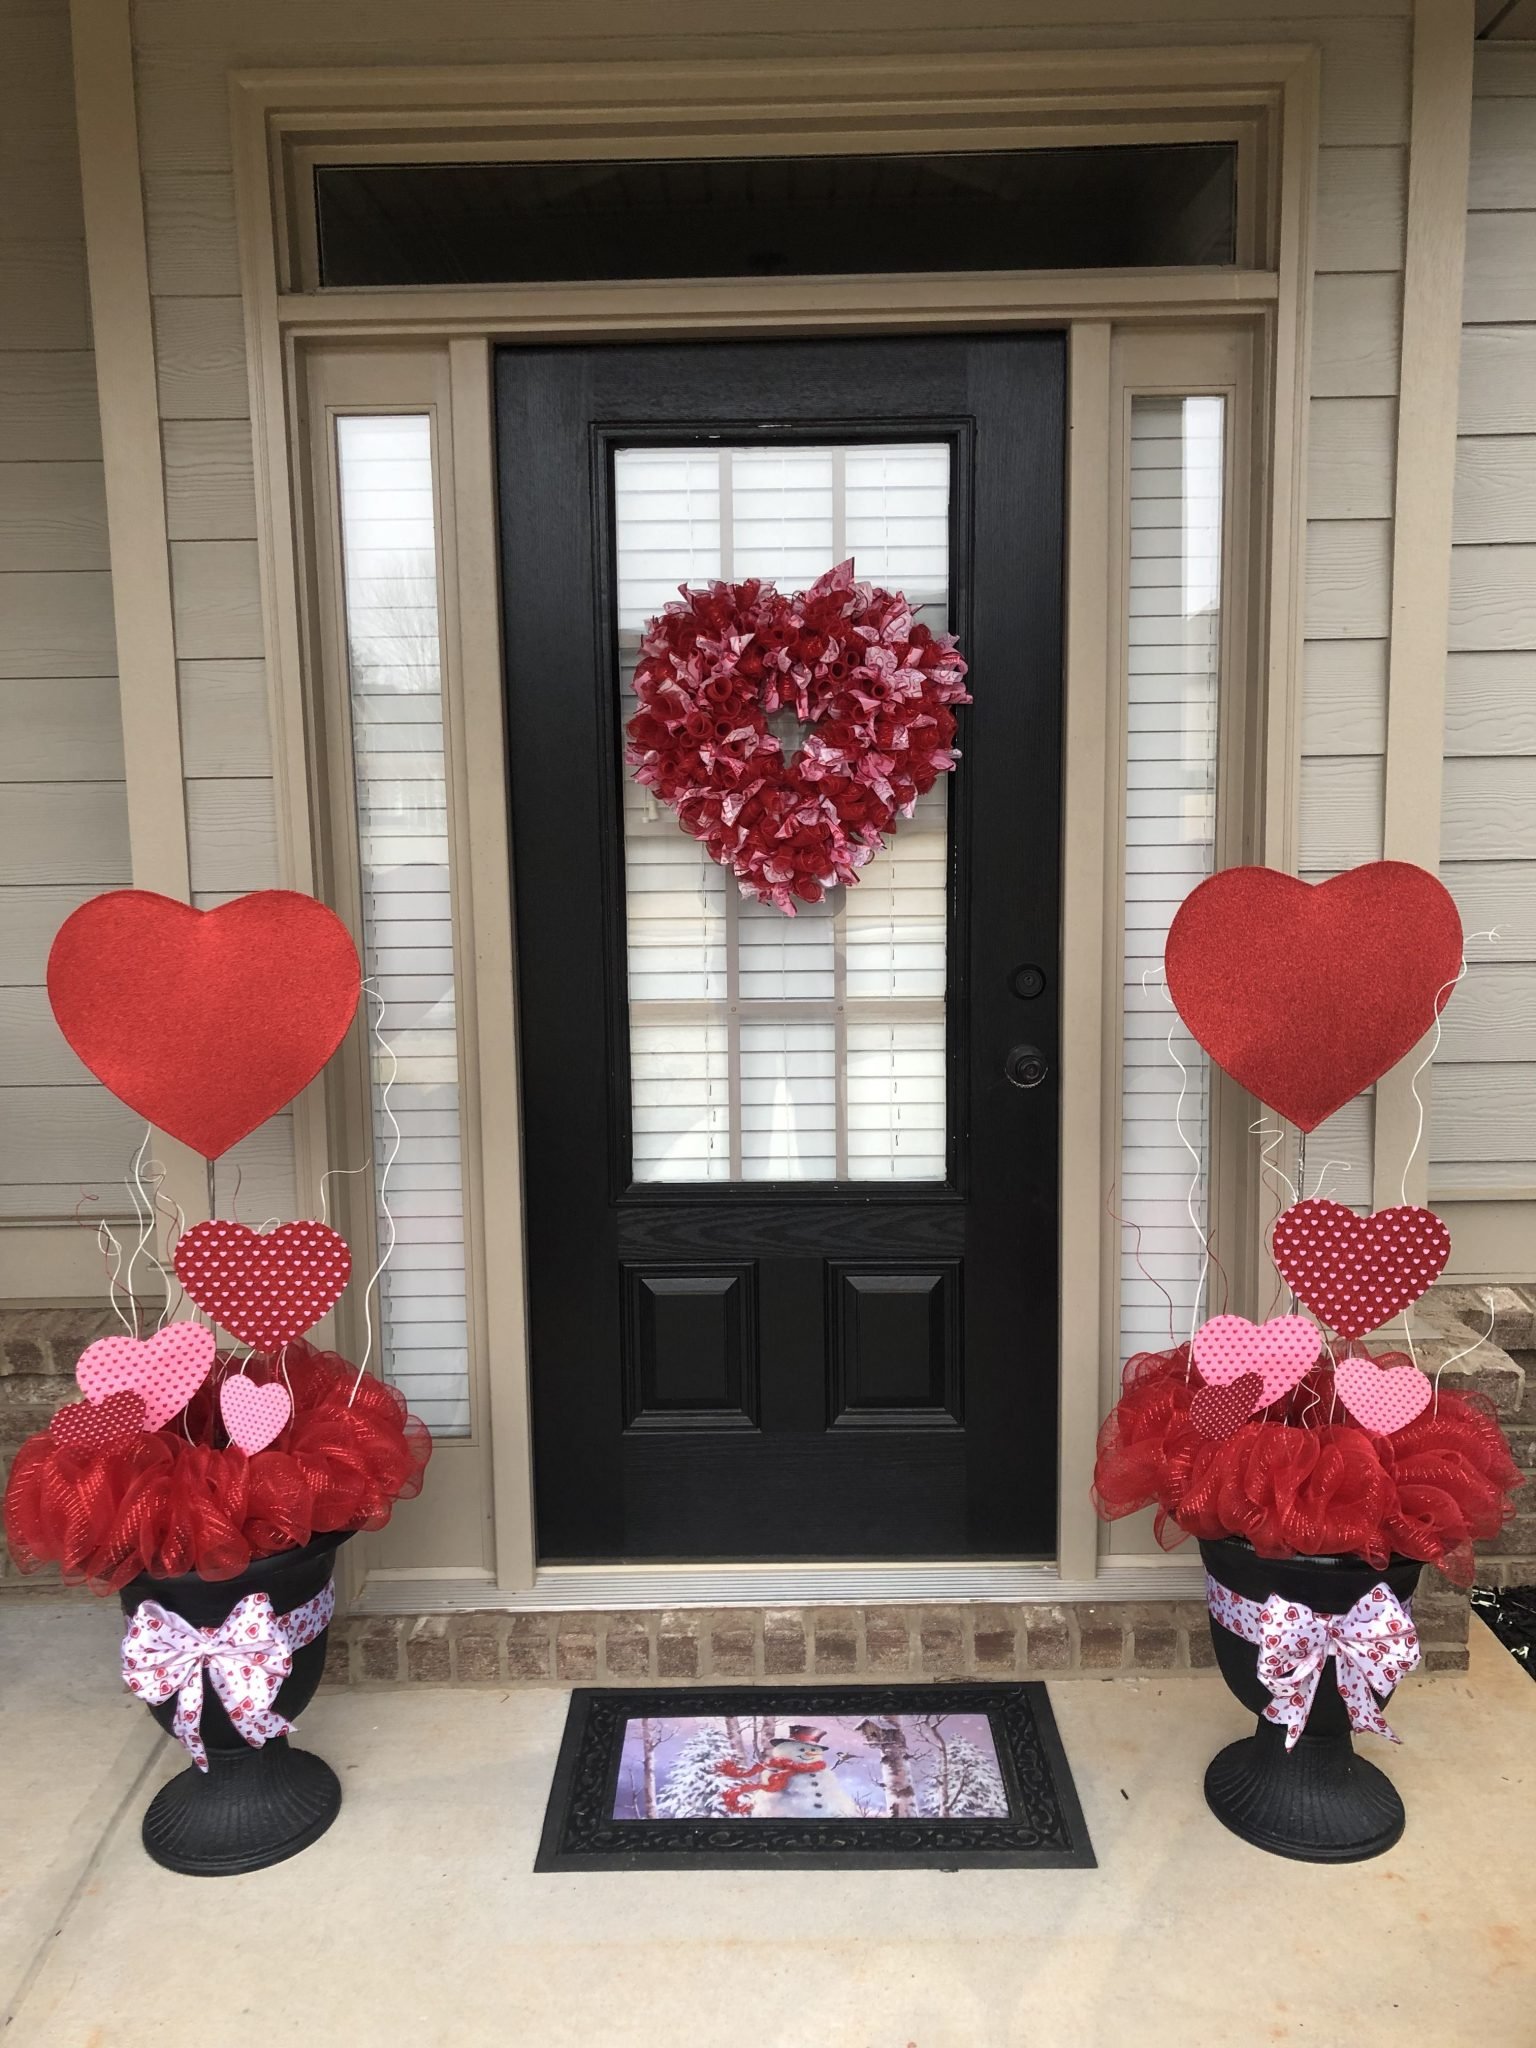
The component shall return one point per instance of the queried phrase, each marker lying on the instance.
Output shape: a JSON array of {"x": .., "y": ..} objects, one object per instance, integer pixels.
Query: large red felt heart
[
  {"x": 264, "y": 1289},
  {"x": 204, "y": 1021},
  {"x": 1355, "y": 1272},
  {"x": 1308, "y": 993}
]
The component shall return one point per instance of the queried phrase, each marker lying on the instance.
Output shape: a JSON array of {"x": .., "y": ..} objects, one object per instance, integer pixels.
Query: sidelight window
[
  {"x": 1173, "y": 612},
  {"x": 394, "y": 661}
]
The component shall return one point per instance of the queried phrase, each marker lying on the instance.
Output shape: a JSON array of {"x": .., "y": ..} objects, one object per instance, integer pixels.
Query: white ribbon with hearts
[
  {"x": 1374, "y": 1647},
  {"x": 246, "y": 1657}
]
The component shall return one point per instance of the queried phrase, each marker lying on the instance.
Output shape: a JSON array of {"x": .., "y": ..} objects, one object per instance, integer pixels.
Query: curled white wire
[
  {"x": 1273, "y": 1140},
  {"x": 1198, "y": 1175},
  {"x": 112, "y": 1251},
  {"x": 1442, "y": 997},
  {"x": 1466, "y": 1351},
  {"x": 144, "y": 1217},
  {"x": 376, "y": 1032},
  {"x": 332, "y": 1172}
]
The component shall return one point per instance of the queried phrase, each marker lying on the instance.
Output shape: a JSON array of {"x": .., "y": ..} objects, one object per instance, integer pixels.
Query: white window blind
[
  {"x": 389, "y": 562},
  {"x": 764, "y": 1047},
  {"x": 1173, "y": 674}
]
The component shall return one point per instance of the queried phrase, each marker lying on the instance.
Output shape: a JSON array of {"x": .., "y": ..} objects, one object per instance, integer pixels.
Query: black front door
[{"x": 791, "y": 1182}]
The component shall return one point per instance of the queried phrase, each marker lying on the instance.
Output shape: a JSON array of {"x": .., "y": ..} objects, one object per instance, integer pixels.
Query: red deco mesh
[
  {"x": 1295, "y": 1483},
  {"x": 181, "y": 1501}
]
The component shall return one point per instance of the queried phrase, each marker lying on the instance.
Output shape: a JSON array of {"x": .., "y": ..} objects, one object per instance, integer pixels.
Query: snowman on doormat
[{"x": 794, "y": 1781}]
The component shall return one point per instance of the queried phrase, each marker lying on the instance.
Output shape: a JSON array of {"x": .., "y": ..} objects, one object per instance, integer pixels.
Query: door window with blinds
[
  {"x": 1177, "y": 452},
  {"x": 765, "y": 1047},
  {"x": 389, "y": 563}
]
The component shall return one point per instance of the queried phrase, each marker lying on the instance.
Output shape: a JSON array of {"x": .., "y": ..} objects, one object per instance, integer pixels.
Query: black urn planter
[
  {"x": 253, "y": 1806},
  {"x": 1319, "y": 1802}
]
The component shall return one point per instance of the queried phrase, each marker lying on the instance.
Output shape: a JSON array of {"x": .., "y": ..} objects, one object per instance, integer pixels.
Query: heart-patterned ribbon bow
[
  {"x": 1374, "y": 1647},
  {"x": 246, "y": 1657}
]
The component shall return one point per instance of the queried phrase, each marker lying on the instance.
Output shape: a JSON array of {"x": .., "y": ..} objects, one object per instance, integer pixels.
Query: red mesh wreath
[
  {"x": 1295, "y": 1483},
  {"x": 873, "y": 685},
  {"x": 178, "y": 1500}
]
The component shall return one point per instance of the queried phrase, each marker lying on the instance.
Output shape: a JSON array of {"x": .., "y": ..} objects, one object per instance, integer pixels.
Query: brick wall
[{"x": 755, "y": 1645}]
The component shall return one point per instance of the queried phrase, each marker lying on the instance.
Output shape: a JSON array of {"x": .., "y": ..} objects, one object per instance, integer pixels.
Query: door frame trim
[{"x": 1265, "y": 96}]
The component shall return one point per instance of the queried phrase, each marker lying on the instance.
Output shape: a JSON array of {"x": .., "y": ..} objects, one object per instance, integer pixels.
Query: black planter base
[
  {"x": 1318, "y": 1804},
  {"x": 253, "y": 1808}
]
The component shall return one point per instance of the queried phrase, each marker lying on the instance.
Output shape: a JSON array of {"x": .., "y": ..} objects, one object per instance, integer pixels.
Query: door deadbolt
[{"x": 1025, "y": 1066}]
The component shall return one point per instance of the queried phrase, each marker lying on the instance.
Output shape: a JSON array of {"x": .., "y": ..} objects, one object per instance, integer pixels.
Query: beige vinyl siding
[
  {"x": 1352, "y": 432},
  {"x": 1483, "y": 1129},
  {"x": 63, "y": 814}
]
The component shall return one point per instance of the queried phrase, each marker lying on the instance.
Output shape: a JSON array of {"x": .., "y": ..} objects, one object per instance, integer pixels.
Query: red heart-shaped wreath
[
  {"x": 204, "y": 1021},
  {"x": 265, "y": 1289},
  {"x": 873, "y": 685},
  {"x": 1308, "y": 993},
  {"x": 1356, "y": 1272}
]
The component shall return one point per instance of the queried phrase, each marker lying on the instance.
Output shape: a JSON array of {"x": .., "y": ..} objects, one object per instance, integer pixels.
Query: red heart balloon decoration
[
  {"x": 265, "y": 1289},
  {"x": 99, "y": 1425},
  {"x": 1219, "y": 1411},
  {"x": 1356, "y": 1272},
  {"x": 204, "y": 1021},
  {"x": 1307, "y": 993}
]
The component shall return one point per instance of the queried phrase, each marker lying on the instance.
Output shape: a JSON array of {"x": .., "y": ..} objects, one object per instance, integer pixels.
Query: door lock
[{"x": 1025, "y": 1066}]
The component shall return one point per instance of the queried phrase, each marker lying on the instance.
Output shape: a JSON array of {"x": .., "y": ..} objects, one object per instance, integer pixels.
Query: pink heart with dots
[
  {"x": 1282, "y": 1352},
  {"x": 254, "y": 1416},
  {"x": 167, "y": 1369},
  {"x": 1383, "y": 1394}
]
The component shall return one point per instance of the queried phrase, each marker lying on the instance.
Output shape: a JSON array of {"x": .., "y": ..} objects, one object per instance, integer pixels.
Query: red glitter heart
[
  {"x": 1356, "y": 1272},
  {"x": 264, "y": 1289},
  {"x": 204, "y": 1021},
  {"x": 99, "y": 1425},
  {"x": 1218, "y": 1411},
  {"x": 1308, "y": 992}
]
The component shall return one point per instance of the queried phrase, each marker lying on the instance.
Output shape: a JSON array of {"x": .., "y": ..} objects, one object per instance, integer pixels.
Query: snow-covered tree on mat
[
  {"x": 962, "y": 1783},
  {"x": 694, "y": 1788}
]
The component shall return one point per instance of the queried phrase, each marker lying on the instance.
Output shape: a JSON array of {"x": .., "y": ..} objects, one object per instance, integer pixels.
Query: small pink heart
[
  {"x": 253, "y": 1415},
  {"x": 1383, "y": 1394},
  {"x": 167, "y": 1369},
  {"x": 1282, "y": 1352}
]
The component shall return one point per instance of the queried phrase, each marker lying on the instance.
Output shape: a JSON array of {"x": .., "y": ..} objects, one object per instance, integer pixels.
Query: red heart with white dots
[
  {"x": 1218, "y": 1411},
  {"x": 99, "y": 1425},
  {"x": 1383, "y": 1394},
  {"x": 1356, "y": 1272},
  {"x": 264, "y": 1289}
]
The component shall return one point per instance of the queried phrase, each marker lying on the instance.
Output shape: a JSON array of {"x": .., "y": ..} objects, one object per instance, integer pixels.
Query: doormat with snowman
[{"x": 910, "y": 1775}]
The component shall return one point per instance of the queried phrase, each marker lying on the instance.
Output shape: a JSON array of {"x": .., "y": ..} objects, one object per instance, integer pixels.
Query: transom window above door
[
  {"x": 1088, "y": 207},
  {"x": 765, "y": 1047}
]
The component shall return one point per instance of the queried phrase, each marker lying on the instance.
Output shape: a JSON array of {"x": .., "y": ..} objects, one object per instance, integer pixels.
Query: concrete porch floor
[{"x": 417, "y": 1919}]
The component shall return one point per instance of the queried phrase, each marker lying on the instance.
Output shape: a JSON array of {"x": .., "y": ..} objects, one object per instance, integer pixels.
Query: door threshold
[{"x": 671, "y": 1586}]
